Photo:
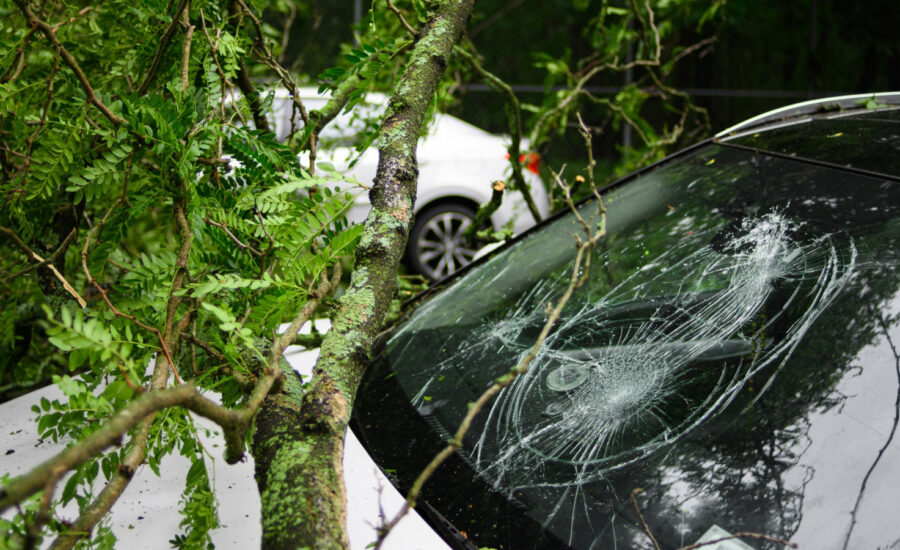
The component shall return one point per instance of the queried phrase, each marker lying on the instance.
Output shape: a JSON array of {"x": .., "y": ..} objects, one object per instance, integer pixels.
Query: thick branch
[{"x": 312, "y": 449}]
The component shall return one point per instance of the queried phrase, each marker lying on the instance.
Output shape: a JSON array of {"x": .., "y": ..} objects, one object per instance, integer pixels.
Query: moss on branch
[{"x": 299, "y": 460}]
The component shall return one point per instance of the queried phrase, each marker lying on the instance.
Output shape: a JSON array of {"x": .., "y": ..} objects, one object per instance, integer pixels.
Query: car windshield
[{"x": 722, "y": 311}]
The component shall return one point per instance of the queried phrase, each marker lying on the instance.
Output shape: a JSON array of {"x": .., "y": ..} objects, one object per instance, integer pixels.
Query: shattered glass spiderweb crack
[{"x": 582, "y": 411}]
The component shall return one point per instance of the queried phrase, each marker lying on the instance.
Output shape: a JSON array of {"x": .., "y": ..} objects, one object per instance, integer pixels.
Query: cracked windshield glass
[{"x": 721, "y": 315}]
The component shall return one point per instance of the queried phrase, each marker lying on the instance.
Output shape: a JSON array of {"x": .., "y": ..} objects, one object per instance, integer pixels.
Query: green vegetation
[{"x": 149, "y": 218}]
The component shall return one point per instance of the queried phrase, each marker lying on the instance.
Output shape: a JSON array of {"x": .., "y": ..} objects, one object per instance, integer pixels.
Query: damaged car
[{"x": 729, "y": 371}]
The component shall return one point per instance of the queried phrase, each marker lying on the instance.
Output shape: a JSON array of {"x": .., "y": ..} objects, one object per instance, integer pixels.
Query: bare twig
[
  {"x": 688, "y": 51},
  {"x": 81, "y": 13},
  {"x": 637, "y": 510},
  {"x": 239, "y": 243},
  {"x": 286, "y": 32},
  {"x": 402, "y": 19}
]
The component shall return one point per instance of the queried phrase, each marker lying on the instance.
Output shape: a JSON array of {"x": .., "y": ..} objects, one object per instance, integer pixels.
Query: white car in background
[{"x": 458, "y": 163}]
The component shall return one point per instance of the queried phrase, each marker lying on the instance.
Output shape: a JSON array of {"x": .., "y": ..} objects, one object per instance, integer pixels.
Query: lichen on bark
[{"x": 299, "y": 452}]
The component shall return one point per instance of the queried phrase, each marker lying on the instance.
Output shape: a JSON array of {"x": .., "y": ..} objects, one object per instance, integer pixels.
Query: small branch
[
  {"x": 402, "y": 19},
  {"x": 339, "y": 98},
  {"x": 649, "y": 26},
  {"x": 286, "y": 32},
  {"x": 91, "y": 281},
  {"x": 15, "y": 69},
  {"x": 514, "y": 123},
  {"x": 49, "y": 32},
  {"x": 637, "y": 510},
  {"x": 52, "y": 259},
  {"x": 211, "y": 351},
  {"x": 239, "y": 243},
  {"x": 262, "y": 225},
  {"x": 689, "y": 50},
  {"x": 46, "y": 262},
  {"x": 290, "y": 335},
  {"x": 184, "y": 395},
  {"x": 485, "y": 211},
  {"x": 160, "y": 50},
  {"x": 248, "y": 90}
]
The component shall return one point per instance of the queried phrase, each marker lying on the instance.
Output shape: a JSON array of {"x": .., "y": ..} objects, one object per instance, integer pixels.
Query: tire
[{"x": 436, "y": 247}]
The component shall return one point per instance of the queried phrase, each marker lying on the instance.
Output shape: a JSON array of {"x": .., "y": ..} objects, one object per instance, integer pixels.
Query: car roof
[
  {"x": 811, "y": 107},
  {"x": 858, "y": 139}
]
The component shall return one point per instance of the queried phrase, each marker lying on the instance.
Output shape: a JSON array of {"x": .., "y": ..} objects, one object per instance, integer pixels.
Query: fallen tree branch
[{"x": 308, "y": 443}]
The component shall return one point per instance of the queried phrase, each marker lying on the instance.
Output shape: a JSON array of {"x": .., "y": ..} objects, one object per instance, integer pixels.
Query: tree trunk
[{"x": 298, "y": 445}]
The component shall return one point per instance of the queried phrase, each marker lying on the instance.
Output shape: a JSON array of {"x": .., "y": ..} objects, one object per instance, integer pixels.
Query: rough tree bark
[{"x": 298, "y": 443}]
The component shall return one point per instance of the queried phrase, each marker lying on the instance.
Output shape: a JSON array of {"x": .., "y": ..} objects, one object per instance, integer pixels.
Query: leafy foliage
[{"x": 173, "y": 228}]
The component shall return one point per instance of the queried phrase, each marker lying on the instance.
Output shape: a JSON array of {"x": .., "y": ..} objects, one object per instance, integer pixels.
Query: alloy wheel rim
[{"x": 441, "y": 244}]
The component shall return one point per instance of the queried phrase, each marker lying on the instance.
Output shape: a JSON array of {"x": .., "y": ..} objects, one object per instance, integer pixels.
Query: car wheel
[{"x": 436, "y": 244}]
